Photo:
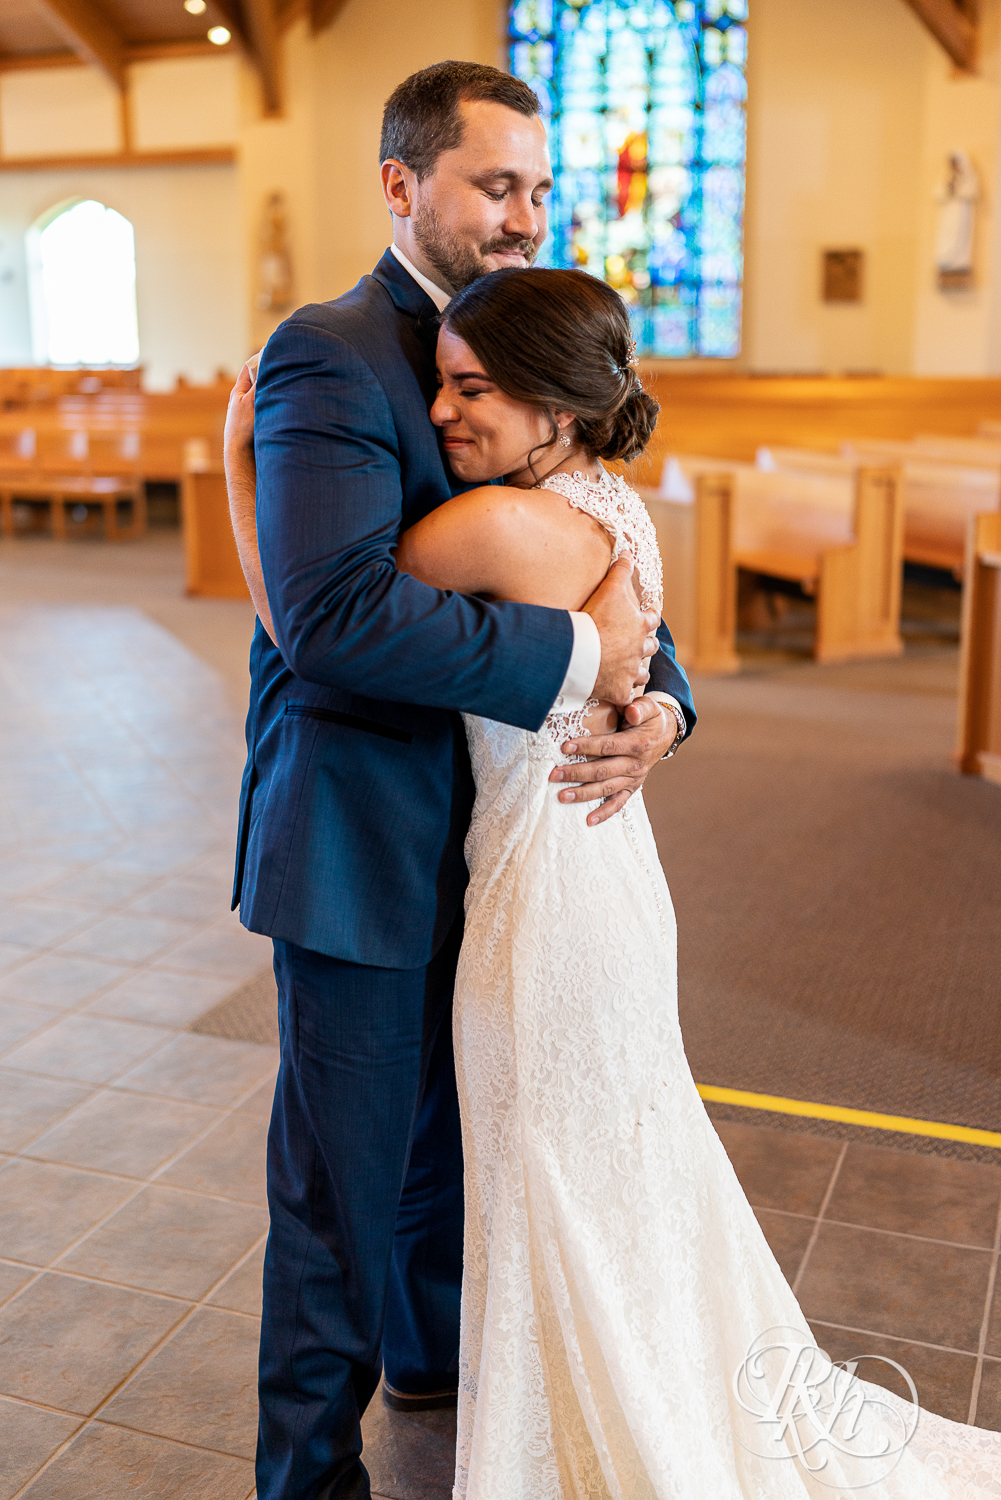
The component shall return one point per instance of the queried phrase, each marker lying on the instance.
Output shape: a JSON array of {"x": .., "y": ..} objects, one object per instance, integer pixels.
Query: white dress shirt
[{"x": 585, "y": 656}]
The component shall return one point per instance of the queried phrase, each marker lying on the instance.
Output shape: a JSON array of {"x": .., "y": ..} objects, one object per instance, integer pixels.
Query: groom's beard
[{"x": 460, "y": 265}]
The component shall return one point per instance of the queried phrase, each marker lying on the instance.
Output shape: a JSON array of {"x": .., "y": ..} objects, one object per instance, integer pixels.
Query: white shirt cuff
[{"x": 585, "y": 659}]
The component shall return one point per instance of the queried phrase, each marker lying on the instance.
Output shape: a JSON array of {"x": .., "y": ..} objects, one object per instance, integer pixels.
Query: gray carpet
[
  {"x": 838, "y": 889},
  {"x": 248, "y": 1014}
]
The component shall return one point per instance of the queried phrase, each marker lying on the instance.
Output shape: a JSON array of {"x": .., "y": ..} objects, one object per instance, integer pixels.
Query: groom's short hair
[{"x": 422, "y": 117}]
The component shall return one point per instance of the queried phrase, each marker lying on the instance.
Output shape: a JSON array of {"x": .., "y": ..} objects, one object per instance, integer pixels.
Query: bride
[{"x": 626, "y": 1331}]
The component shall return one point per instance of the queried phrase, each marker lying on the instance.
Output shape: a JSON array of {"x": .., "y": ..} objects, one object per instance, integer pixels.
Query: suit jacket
[{"x": 357, "y": 792}]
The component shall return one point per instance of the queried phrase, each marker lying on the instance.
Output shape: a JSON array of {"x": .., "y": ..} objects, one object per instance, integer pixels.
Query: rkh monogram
[{"x": 845, "y": 1431}]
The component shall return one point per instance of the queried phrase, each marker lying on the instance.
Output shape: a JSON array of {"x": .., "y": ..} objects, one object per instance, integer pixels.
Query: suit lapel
[
  {"x": 423, "y": 317},
  {"x": 401, "y": 286}
]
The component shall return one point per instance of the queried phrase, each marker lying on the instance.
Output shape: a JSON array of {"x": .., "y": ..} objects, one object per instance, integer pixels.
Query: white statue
[{"x": 957, "y": 198}]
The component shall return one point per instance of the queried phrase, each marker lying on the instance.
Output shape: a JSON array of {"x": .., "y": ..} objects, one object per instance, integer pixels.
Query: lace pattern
[
  {"x": 615, "y": 1276},
  {"x": 558, "y": 728},
  {"x": 612, "y": 503}
]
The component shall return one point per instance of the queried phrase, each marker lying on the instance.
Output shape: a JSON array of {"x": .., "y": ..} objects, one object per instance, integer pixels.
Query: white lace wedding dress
[{"x": 616, "y": 1280}]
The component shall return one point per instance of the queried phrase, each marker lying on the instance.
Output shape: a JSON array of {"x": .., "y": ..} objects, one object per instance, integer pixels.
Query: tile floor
[
  {"x": 132, "y": 1206},
  {"x": 132, "y": 1217},
  {"x": 891, "y": 1253}
]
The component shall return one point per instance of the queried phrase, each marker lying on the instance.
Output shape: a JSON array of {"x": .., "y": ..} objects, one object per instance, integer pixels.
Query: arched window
[
  {"x": 644, "y": 101},
  {"x": 83, "y": 284}
]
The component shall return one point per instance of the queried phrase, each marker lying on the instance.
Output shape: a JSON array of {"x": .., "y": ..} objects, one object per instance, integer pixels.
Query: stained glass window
[{"x": 644, "y": 102}]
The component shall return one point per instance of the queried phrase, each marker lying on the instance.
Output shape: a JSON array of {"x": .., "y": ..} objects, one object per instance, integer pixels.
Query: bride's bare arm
[
  {"x": 241, "y": 487},
  {"x": 526, "y": 545}
]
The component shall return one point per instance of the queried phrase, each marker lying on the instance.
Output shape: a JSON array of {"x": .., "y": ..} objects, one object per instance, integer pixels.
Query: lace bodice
[{"x": 624, "y": 516}]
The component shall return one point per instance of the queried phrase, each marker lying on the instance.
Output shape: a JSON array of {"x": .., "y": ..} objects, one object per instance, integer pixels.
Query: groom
[{"x": 357, "y": 791}]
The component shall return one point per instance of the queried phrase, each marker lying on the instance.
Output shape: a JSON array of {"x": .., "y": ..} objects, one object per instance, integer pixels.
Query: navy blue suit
[{"x": 355, "y": 803}]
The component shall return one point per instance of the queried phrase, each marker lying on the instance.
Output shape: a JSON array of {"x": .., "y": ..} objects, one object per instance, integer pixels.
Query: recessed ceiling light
[
  {"x": 219, "y": 35},
  {"x": 194, "y": 7}
]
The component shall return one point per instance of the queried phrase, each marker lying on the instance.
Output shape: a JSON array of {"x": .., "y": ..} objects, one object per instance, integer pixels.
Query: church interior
[{"x": 800, "y": 202}]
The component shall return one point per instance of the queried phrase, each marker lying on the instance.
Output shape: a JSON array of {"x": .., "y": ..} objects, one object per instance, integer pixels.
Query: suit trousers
[{"x": 364, "y": 1259}]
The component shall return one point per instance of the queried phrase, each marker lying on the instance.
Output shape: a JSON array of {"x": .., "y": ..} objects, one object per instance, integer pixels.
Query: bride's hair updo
[{"x": 560, "y": 340}]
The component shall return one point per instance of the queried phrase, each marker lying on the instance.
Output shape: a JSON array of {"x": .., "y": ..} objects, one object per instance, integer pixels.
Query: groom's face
[{"x": 483, "y": 206}]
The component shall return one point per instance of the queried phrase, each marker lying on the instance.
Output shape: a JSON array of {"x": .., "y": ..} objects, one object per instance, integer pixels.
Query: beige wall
[
  {"x": 959, "y": 333},
  {"x": 191, "y": 274},
  {"x": 190, "y": 279},
  {"x": 834, "y": 141},
  {"x": 853, "y": 108}
]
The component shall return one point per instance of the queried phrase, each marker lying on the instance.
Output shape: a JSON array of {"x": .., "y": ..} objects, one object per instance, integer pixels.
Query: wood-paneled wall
[{"x": 731, "y": 416}]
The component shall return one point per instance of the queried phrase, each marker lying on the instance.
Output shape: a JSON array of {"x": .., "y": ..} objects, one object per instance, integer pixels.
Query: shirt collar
[{"x": 438, "y": 297}]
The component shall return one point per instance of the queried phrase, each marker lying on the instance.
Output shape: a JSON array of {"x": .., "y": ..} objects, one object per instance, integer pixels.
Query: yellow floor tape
[{"x": 901, "y": 1123}]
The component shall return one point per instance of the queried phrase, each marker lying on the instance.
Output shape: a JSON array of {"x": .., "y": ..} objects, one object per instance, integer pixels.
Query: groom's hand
[
  {"x": 618, "y": 764},
  {"x": 628, "y": 635}
]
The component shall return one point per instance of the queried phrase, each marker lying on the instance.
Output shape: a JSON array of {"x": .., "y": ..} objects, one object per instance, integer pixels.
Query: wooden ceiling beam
[
  {"x": 232, "y": 14},
  {"x": 323, "y": 13},
  {"x": 90, "y": 34},
  {"x": 262, "y": 28},
  {"x": 953, "y": 25}
]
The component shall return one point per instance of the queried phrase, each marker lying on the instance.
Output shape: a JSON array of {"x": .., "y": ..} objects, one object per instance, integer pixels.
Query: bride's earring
[{"x": 564, "y": 440}]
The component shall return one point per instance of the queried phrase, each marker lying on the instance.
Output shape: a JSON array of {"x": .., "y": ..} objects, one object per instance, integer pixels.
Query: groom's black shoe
[{"x": 432, "y": 1401}]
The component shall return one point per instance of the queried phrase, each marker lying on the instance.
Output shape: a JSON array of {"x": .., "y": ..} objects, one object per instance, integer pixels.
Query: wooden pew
[
  {"x": 979, "y": 737},
  {"x": 944, "y": 486},
  {"x": 162, "y": 436},
  {"x": 38, "y": 384},
  {"x": 694, "y": 531},
  {"x": 212, "y": 563},
  {"x": 838, "y": 535},
  {"x": 711, "y": 411},
  {"x": 72, "y": 468}
]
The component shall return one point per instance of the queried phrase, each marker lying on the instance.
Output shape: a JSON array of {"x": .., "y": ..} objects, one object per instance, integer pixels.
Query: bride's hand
[
  {"x": 239, "y": 433},
  {"x": 618, "y": 764}
]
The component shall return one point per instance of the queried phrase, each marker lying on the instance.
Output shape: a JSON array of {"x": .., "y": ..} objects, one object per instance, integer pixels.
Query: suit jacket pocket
[{"x": 351, "y": 721}]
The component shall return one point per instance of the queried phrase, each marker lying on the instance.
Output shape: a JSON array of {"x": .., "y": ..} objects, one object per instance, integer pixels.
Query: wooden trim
[
  {"x": 125, "y": 118},
  {"x": 212, "y": 563},
  {"x": 952, "y": 27},
  {"x": 12, "y": 62},
  {"x": 207, "y": 156},
  {"x": 978, "y": 748},
  {"x": 989, "y": 766},
  {"x": 715, "y": 576},
  {"x": 164, "y": 51},
  {"x": 141, "y": 52},
  {"x": 90, "y": 34}
]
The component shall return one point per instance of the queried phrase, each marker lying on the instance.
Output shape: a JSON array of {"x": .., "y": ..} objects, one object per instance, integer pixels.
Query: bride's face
[{"x": 486, "y": 434}]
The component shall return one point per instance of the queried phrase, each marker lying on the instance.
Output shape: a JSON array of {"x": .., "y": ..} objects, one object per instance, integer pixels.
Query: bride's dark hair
[{"x": 560, "y": 340}]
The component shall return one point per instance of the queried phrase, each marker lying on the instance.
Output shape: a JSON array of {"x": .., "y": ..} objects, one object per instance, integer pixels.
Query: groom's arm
[
  {"x": 329, "y": 500},
  {"x": 668, "y": 679}
]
